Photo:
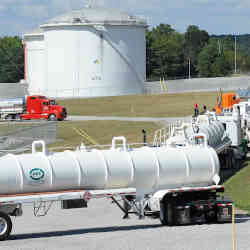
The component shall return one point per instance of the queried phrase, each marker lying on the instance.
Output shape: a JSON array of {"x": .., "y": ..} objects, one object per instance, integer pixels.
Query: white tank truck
[
  {"x": 176, "y": 184},
  {"x": 236, "y": 127},
  {"x": 224, "y": 133},
  {"x": 231, "y": 116}
]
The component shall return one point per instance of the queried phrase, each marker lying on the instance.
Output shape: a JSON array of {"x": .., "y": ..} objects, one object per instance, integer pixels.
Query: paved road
[
  {"x": 101, "y": 227},
  {"x": 106, "y": 118},
  {"x": 134, "y": 119}
]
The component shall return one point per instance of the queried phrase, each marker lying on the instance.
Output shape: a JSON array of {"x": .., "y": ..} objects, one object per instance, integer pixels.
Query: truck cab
[
  {"x": 226, "y": 102},
  {"x": 41, "y": 107}
]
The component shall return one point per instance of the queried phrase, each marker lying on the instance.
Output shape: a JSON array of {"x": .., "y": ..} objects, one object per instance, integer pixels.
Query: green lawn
[
  {"x": 102, "y": 132},
  {"x": 238, "y": 187},
  {"x": 162, "y": 105}
]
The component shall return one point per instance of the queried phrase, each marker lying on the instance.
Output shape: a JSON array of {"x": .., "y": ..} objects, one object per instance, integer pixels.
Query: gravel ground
[{"x": 101, "y": 226}]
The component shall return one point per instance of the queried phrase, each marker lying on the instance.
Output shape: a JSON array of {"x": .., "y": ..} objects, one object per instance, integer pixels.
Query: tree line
[
  {"x": 170, "y": 54},
  {"x": 195, "y": 53},
  {"x": 11, "y": 59}
]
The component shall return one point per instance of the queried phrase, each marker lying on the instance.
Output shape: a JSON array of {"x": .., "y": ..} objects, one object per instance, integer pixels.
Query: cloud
[{"x": 213, "y": 15}]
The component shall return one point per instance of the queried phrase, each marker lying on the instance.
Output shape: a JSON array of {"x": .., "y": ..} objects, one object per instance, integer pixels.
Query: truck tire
[
  {"x": 52, "y": 117},
  {"x": 8, "y": 118},
  {"x": 5, "y": 226},
  {"x": 170, "y": 214},
  {"x": 167, "y": 213},
  {"x": 163, "y": 218},
  {"x": 211, "y": 217}
]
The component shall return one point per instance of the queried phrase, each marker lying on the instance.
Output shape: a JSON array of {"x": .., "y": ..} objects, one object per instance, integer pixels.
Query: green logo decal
[{"x": 37, "y": 174}]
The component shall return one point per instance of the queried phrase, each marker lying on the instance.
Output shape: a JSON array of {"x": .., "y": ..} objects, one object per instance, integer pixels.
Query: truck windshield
[{"x": 52, "y": 102}]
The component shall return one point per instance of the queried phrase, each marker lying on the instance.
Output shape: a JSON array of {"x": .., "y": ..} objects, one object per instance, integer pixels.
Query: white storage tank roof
[
  {"x": 97, "y": 15},
  {"x": 85, "y": 53}
]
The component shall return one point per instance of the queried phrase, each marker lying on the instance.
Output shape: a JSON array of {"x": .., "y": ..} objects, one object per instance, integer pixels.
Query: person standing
[{"x": 196, "y": 110}]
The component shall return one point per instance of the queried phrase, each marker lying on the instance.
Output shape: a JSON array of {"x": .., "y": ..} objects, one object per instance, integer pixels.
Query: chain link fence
[{"x": 17, "y": 137}]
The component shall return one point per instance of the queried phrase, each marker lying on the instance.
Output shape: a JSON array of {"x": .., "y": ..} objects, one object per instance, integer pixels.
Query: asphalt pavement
[{"x": 100, "y": 226}]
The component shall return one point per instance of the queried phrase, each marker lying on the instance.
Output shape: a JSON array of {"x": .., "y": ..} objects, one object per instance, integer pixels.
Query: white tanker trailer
[
  {"x": 224, "y": 135},
  {"x": 174, "y": 183}
]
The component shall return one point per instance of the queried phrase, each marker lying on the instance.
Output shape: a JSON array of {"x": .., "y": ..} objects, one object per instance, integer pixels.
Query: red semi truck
[{"x": 31, "y": 107}]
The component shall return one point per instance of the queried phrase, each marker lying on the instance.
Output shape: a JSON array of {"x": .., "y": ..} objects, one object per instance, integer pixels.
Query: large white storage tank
[{"x": 90, "y": 52}]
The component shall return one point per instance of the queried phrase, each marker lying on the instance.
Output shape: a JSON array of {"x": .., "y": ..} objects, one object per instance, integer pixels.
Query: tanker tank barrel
[{"x": 147, "y": 169}]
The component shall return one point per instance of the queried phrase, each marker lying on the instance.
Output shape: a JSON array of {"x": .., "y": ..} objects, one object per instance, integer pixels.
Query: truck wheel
[
  {"x": 167, "y": 213},
  {"x": 52, "y": 117},
  {"x": 211, "y": 216},
  {"x": 18, "y": 117},
  {"x": 5, "y": 226},
  {"x": 170, "y": 214},
  {"x": 8, "y": 118},
  {"x": 163, "y": 214}
]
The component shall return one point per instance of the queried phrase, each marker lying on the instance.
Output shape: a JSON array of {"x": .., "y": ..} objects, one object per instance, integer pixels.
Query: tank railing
[
  {"x": 179, "y": 128},
  {"x": 165, "y": 136},
  {"x": 207, "y": 118},
  {"x": 174, "y": 129},
  {"x": 161, "y": 136},
  {"x": 84, "y": 20}
]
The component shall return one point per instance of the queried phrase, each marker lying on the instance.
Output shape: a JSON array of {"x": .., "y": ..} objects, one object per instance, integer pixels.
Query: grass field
[
  {"x": 162, "y": 105},
  {"x": 102, "y": 132},
  {"x": 238, "y": 187}
]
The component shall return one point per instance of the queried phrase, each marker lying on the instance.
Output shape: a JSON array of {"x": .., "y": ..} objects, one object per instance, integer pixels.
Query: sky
[{"x": 214, "y": 16}]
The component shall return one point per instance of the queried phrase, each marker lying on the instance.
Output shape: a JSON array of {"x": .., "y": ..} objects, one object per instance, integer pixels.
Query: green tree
[
  {"x": 11, "y": 59},
  {"x": 194, "y": 41},
  {"x": 150, "y": 55},
  {"x": 164, "y": 46},
  {"x": 212, "y": 61}
]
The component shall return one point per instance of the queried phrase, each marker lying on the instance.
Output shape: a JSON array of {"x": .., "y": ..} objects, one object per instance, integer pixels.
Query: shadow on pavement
[
  {"x": 239, "y": 218},
  {"x": 81, "y": 231}
]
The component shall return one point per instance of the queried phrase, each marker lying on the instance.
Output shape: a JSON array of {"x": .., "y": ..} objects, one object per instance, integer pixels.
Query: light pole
[{"x": 189, "y": 69}]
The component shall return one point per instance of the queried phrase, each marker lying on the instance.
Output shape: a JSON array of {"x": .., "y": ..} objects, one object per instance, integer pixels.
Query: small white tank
[{"x": 147, "y": 168}]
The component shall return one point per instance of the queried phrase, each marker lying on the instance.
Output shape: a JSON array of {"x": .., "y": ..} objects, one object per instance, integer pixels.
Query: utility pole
[
  {"x": 235, "y": 55},
  {"x": 189, "y": 69}
]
